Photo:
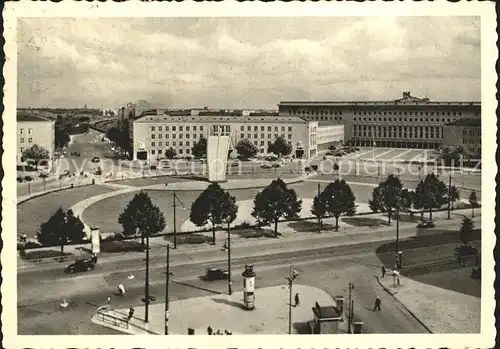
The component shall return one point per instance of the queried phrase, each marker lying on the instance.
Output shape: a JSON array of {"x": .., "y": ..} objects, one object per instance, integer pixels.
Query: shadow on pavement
[
  {"x": 301, "y": 327},
  {"x": 231, "y": 303},
  {"x": 197, "y": 287}
]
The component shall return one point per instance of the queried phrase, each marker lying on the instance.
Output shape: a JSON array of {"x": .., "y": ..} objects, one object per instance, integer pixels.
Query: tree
[
  {"x": 141, "y": 217},
  {"x": 274, "y": 202},
  {"x": 61, "y": 138},
  {"x": 339, "y": 200},
  {"x": 466, "y": 230},
  {"x": 246, "y": 148},
  {"x": 280, "y": 147},
  {"x": 319, "y": 208},
  {"x": 36, "y": 152},
  {"x": 61, "y": 228},
  {"x": 473, "y": 201},
  {"x": 389, "y": 195},
  {"x": 430, "y": 193},
  {"x": 199, "y": 149},
  {"x": 213, "y": 205},
  {"x": 170, "y": 153},
  {"x": 454, "y": 195}
]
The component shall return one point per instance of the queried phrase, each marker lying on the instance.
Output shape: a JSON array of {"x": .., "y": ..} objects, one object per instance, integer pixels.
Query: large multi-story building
[
  {"x": 154, "y": 134},
  {"x": 33, "y": 129},
  {"x": 464, "y": 132},
  {"x": 408, "y": 122}
]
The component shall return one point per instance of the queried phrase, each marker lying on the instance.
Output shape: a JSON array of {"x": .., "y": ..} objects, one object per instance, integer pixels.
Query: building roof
[
  {"x": 470, "y": 122},
  {"x": 407, "y": 99},
  {"x": 222, "y": 118},
  {"x": 27, "y": 116}
]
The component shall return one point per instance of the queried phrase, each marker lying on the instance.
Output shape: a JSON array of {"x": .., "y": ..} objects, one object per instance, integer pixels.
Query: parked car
[
  {"x": 265, "y": 166},
  {"x": 81, "y": 265},
  {"x": 96, "y": 159},
  {"x": 276, "y": 165},
  {"x": 43, "y": 175},
  {"x": 426, "y": 224},
  {"x": 20, "y": 179},
  {"x": 28, "y": 178},
  {"x": 234, "y": 164},
  {"x": 214, "y": 274}
]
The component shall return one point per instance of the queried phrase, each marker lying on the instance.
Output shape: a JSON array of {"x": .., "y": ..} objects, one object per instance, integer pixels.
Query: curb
[{"x": 404, "y": 306}]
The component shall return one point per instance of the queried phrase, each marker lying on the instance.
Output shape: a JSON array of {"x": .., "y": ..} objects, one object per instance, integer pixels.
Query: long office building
[
  {"x": 408, "y": 122},
  {"x": 33, "y": 129},
  {"x": 154, "y": 134}
]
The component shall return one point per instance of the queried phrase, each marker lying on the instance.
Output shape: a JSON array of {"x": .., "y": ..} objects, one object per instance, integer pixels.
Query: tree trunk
[
  {"x": 430, "y": 213},
  {"x": 390, "y": 215},
  {"x": 213, "y": 234},
  {"x": 142, "y": 241},
  {"x": 275, "y": 228},
  {"x": 472, "y": 210},
  {"x": 62, "y": 248},
  {"x": 422, "y": 215},
  {"x": 336, "y": 223}
]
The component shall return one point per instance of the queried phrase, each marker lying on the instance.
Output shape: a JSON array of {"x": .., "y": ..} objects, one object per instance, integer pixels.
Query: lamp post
[
  {"x": 449, "y": 197},
  {"x": 176, "y": 202},
  {"x": 397, "y": 237},
  {"x": 146, "y": 283},
  {"x": 167, "y": 282},
  {"x": 290, "y": 278},
  {"x": 351, "y": 305},
  {"x": 229, "y": 282},
  {"x": 319, "y": 218}
]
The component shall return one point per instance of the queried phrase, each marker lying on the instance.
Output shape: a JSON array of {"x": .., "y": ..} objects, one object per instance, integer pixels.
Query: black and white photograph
[{"x": 233, "y": 174}]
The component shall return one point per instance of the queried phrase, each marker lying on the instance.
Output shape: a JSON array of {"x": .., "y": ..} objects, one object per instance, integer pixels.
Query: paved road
[{"x": 324, "y": 270}]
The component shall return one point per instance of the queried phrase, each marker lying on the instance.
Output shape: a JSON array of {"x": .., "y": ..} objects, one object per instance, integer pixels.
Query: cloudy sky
[{"x": 245, "y": 62}]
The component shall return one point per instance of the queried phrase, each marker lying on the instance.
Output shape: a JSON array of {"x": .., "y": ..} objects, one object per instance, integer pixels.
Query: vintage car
[
  {"x": 216, "y": 274},
  {"x": 82, "y": 265}
]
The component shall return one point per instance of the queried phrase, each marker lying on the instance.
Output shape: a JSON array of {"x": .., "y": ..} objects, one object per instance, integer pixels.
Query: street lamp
[
  {"x": 351, "y": 308},
  {"x": 229, "y": 282},
  {"x": 146, "y": 284},
  {"x": 167, "y": 282},
  {"x": 292, "y": 275},
  {"x": 449, "y": 196},
  {"x": 176, "y": 202}
]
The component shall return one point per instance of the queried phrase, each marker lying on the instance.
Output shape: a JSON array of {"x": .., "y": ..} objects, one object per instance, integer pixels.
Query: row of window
[
  {"x": 30, "y": 140},
  {"x": 269, "y": 128},
  {"x": 175, "y": 128},
  {"x": 174, "y": 136},
  {"x": 364, "y": 119},
  {"x": 188, "y": 151},
  {"x": 21, "y": 131},
  {"x": 289, "y": 135},
  {"x": 432, "y": 113},
  {"x": 422, "y": 132},
  {"x": 174, "y": 144},
  {"x": 315, "y": 112},
  {"x": 471, "y": 133}
]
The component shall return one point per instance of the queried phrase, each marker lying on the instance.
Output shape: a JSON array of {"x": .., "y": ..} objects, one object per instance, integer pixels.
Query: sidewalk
[
  {"x": 224, "y": 312},
  {"x": 283, "y": 244},
  {"x": 441, "y": 310}
]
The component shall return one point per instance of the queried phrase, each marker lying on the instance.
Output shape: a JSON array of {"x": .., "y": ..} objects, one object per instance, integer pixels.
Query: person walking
[
  {"x": 131, "y": 312},
  {"x": 383, "y": 271},
  {"x": 209, "y": 330},
  {"x": 377, "y": 304},
  {"x": 109, "y": 300},
  {"x": 297, "y": 300}
]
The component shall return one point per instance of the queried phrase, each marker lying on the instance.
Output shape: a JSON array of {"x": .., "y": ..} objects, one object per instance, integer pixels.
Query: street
[{"x": 331, "y": 273}]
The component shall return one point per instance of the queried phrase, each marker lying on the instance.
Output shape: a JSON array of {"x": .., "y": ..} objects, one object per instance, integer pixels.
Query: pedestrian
[
  {"x": 209, "y": 330},
  {"x": 121, "y": 289},
  {"x": 377, "y": 304},
  {"x": 130, "y": 313},
  {"x": 297, "y": 300},
  {"x": 218, "y": 332},
  {"x": 109, "y": 300},
  {"x": 383, "y": 271}
]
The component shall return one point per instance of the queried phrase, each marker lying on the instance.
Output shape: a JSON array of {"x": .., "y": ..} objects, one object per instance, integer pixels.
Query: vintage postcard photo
[{"x": 198, "y": 171}]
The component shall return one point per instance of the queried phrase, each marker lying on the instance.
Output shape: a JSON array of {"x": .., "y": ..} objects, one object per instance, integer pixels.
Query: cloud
[{"x": 245, "y": 62}]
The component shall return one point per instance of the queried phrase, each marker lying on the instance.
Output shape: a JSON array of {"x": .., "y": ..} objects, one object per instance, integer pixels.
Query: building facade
[
  {"x": 464, "y": 132},
  {"x": 33, "y": 129},
  {"x": 408, "y": 122},
  {"x": 154, "y": 134}
]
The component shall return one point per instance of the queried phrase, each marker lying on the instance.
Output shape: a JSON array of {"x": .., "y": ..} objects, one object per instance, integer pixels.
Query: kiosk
[{"x": 248, "y": 287}]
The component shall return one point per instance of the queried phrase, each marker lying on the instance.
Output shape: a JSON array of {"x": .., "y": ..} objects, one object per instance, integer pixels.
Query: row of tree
[{"x": 430, "y": 194}]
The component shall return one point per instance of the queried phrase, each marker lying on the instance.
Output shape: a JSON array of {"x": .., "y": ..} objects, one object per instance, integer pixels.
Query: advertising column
[{"x": 249, "y": 287}]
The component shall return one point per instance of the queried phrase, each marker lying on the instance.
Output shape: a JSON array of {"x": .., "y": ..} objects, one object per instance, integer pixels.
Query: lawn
[
  {"x": 115, "y": 205},
  {"x": 32, "y": 213},
  {"x": 457, "y": 280}
]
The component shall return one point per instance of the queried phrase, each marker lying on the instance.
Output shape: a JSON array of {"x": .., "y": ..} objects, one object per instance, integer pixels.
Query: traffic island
[
  {"x": 437, "y": 309},
  {"x": 223, "y": 313}
]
